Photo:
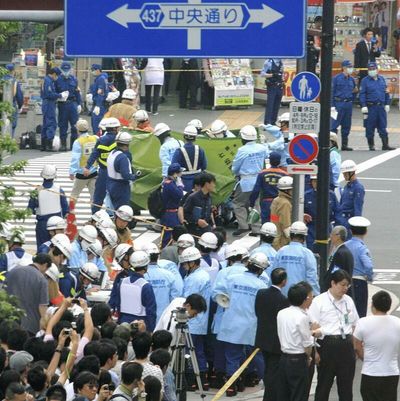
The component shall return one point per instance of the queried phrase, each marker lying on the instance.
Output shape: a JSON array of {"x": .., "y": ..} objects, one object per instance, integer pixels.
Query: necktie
[{"x": 383, "y": 17}]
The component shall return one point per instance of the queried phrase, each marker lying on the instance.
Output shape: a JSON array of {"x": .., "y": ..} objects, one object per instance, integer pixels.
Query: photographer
[{"x": 131, "y": 380}]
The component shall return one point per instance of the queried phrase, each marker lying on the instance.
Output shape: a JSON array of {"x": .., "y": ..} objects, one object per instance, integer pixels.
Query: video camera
[{"x": 181, "y": 315}]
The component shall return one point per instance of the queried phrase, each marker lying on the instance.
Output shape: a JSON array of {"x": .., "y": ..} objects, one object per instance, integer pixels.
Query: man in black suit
[
  {"x": 268, "y": 303},
  {"x": 366, "y": 50}
]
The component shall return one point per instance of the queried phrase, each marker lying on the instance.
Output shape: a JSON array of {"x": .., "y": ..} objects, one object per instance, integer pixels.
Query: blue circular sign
[
  {"x": 303, "y": 149},
  {"x": 305, "y": 87}
]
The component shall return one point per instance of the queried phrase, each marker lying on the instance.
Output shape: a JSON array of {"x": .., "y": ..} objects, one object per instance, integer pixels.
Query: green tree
[{"x": 7, "y": 29}]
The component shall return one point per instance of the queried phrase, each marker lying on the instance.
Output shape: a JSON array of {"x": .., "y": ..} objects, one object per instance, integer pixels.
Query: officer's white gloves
[
  {"x": 64, "y": 96},
  {"x": 96, "y": 110},
  {"x": 89, "y": 98},
  {"x": 387, "y": 108},
  {"x": 364, "y": 110},
  {"x": 79, "y": 109},
  {"x": 112, "y": 96},
  {"x": 333, "y": 110}
]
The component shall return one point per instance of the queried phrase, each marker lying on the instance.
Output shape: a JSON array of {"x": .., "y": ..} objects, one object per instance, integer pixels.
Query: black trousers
[
  {"x": 379, "y": 388},
  {"x": 156, "y": 97},
  {"x": 360, "y": 288},
  {"x": 271, "y": 375},
  {"x": 293, "y": 378},
  {"x": 337, "y": 360},
  {"x": 187, "y": 87}
]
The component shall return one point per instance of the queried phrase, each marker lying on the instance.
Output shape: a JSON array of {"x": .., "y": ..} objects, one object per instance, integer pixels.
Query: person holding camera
[{"x": 131, "y": 381}]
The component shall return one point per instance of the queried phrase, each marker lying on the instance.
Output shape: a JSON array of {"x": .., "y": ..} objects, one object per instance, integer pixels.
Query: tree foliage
[{"x": 7, "y": 29}]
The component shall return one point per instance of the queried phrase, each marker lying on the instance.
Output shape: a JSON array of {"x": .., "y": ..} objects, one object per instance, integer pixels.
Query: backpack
[{"x": 155, "y": 203}]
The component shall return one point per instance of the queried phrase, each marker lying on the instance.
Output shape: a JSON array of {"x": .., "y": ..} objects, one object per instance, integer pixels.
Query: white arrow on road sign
[
  {"x": 266, "y": 16},
  {"x": 302, "y": 169}
]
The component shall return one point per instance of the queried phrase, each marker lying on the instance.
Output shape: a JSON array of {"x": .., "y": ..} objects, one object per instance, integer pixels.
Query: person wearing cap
[
  {"x": 102, "y": 149},
  {"x": 81, "y": 150},
  {"x": 171, "y": 195},
  {"x": 55, "y": 225},
  {"x": 191, "y": 157},
  {"x": 122, "y": 217},
  {"x": 298, "y": 261},
  {"x": 248, "y": 162},
  {"x": 363, "y": 270},
  {"x": 142, "y": 121},
  {"x": 68, "y": 110},
  {"x": 50, "y": 97},
  {"x": 268, "y": 233},
  {"x": 375, "y": 105},
  {"x": 29, "y": 285},
  {"x": 17, "y": 95},
  {"x": 99, "y": 91},
  {"x": 344, "y": 89},
  {"x": 16, "y": 255},
  {"x": 266, "y": 186},
  {"x": 125, "y": 110},
  {"x": 20, "y": 361}
]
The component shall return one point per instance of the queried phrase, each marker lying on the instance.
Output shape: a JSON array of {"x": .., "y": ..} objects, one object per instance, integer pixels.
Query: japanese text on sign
[{"x": 304, "y": 118}]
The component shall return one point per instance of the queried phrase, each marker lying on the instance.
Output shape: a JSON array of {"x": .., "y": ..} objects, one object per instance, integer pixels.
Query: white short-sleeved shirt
[{"x": 381, "y": 337}]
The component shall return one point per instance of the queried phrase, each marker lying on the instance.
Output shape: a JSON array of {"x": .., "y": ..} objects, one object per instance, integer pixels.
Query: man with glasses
[{"x": 16, "y": 392}]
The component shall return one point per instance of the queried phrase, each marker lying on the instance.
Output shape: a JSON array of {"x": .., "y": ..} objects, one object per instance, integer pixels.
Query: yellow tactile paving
[{"x": 236, "y": 119}]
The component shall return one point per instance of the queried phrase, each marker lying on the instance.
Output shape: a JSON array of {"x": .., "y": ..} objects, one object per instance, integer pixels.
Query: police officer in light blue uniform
[
  {"x": 268, "y": 232},
  {"x": 248, "y": 162},
  {"x": 298, "y": 261},
  {"x": 344, "y": 88},
  {"x": 353, "y": 193},
  {"x": 239, "y": 322},
  {"x": 99, "y": 90},
  {"x": 17, "y": 95},
  {"x": 68, "y": 111},
  {"x": 363, "y": 270},
  {"x": 375, "y": 104},
  {"x": 162, "y": 281},
  {"x": 335, "y": 161}
]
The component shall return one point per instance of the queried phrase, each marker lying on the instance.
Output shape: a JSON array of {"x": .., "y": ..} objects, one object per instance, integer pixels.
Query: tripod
[{"x": 182, "y": 340}]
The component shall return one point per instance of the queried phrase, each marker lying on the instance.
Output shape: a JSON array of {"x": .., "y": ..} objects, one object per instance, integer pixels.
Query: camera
[
  {"x": 67, "y": 332},
  {"x": 75, "y": 301},
  {"x": 134, "y": 329},
  {"x": 181, "y": 315}
]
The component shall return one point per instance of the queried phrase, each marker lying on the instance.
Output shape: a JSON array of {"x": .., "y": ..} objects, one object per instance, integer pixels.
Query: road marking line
[
  {"x": 378, "y": 179},
  {"x": 387, "y": 270},
  {"x": 383, "y": 282},
  {"x": 378, "y": 190}
]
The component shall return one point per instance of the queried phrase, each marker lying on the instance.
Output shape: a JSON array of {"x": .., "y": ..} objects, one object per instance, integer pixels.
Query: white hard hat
[
  {"x": 284, "y": 117},
  {"x": 259, "y": 259},
  {"x": 5, "y": 229},
  {"x": 82, "y": 125},
  {"x": 359, "y": 221},
  {"x": 17, "y": 235},
  {"x": 53, "y": 272},
  {"x": 62, "y": 242},
  {"x": 125, "y": 213},
  {"x": 110, "y": 235},
  {"x": 298, "y": 227},
  {"x": 190, "y": 130},
  {"x": 209, "y": 240},
  {"x": 129, "y": 94},
  {"x": 121, "y": 250},
  {"x": 269, "y": 229},
  {"x": 141, "y": 115},
  {"x": 189, "y": 255},
  {"x": 139, "y": 259},
  {"x": 333, "y": 137},
  {"x": 49, "y": 172},
  {"x": 95, "y": 248},
  {"x": 102, "y": 219},
  {"x": 160, "y": 129},
  {"x": 124, "y": 138},
  {"x": 185, "y": 241},
  {"x": 348, "y": 166},
  {"x": 88, "y": 233},
  {"x": 56, "y": 223},
  {"x": 151, "y": 249},
  {"x": 248, "y": 133},
  {"x": 234, "y": 250},
  {"x": 285, "y": 183},
  {"x": 196, "y": 123},
  {"x": 90, "y": 271},
  {"x": 218, "y": 127},
  {"x": 112, "y": 122},
  {"x": 103, "y": 123}
]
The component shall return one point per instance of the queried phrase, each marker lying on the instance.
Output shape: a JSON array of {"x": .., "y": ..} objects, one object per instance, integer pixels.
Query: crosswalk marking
[{"x": 31, "y": 175}]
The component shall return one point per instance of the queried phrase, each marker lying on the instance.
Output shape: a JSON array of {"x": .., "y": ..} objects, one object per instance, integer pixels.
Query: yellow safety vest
[
  {"x": 107, "y": 151},
  {"x": 87, "y": 145}
]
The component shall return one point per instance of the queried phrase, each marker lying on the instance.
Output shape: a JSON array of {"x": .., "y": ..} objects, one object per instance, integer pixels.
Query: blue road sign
[
  {"x": 303, "y": 149},
  {"x": 305, "y": 87},
  {"x": 188, "y": 28}
]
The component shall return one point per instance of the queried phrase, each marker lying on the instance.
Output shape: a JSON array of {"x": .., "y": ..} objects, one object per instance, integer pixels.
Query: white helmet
[
  {"x": 151, "y": 249},
  {"x": 218, "y": 127},
  {"x": 112, "y": 122},
  {"x": 103, "y": 124},
  {"x": 110, "y": 235},
  {"x": 269, "y": 229},
  {"x": 248, "y": 133},
  {"x": 129, "y": 94},
  {"x": 160, "y": 129},
  {"x": 123, "y": 137},
  {"x": 234, "y": 250},
  {"x": 121, "y": 250},
  {"x": 56, "y": 223},
  {"x": 185, "y": 241},
  {"x": 190, "y": 131},
  {"x": 102, "y": 219},
  {"x": 52, "y": 272},
  {"x": 62, "y": 242},
  {"x": 88, "y": 233},
  {"x": 141, "y": 115},
  {"x": 285, "y": 117},
  {"x": 259, "y": 259},
  {"x": 196, "y": 123},
  {"x": 5, "y": 229},
  {"x": 285, "y": 183},
  {"x": 298, "y": 227},
  {"x": 348, "y": 166},
  {"x": 49, "y": 172},
  {"x": 95, "y": 248},
  {"x": 189, "y": 255},
  {"x": 90, "y": 271},
  {"x": 125, "y": 213},
  {"x": 209, "y": 240},
  {"x": 333, "y": 137},
  {"x": 359, "y": 221},
  {"x": 139, "y": 259}
]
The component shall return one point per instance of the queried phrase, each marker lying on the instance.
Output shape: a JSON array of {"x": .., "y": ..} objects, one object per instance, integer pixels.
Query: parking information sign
[{"x": 304, "y": 117}]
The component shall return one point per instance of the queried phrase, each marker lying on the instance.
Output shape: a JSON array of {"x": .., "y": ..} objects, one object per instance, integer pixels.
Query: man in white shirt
[
  {"x": 377, "y": 343},
  {"x": 296, "y": 344},
  {"x": 337, "y": 315}
]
